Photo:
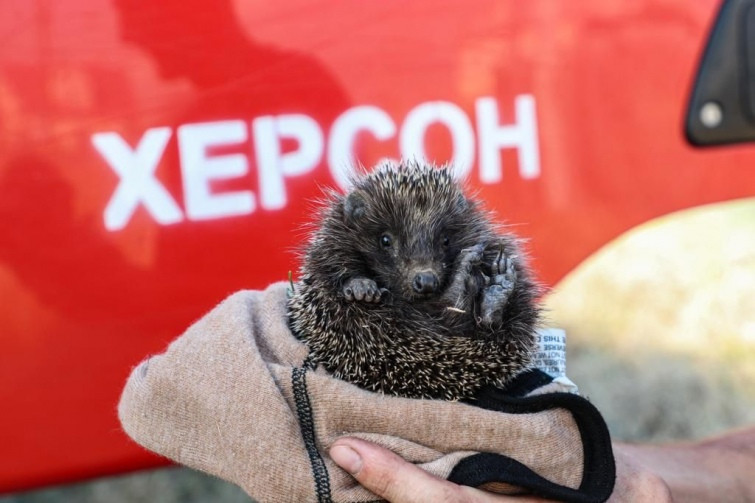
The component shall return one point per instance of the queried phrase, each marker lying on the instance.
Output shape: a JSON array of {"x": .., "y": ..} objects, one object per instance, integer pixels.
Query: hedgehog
[{"x": 407, "y": 288}]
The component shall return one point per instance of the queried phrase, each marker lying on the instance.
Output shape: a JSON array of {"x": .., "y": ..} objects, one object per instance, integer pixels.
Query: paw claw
[
  {"x": 362, "y": 290},
  {"x": 499, "y": 288},
  {"x": 471, "y": 257}
]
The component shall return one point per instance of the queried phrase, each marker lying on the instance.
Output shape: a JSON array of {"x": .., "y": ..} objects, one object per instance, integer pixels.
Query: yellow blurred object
[{"x": 661, "y": 324}]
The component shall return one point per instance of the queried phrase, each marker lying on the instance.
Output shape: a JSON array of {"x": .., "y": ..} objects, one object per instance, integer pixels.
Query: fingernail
[{"x": 347, "y": 458}]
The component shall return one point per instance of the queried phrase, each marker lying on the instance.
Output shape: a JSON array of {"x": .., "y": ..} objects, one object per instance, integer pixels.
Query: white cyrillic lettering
[
  {"x": 198, "y": 169},
  {"x": 521, "y": 135},
  {"x": 341, "y": 158},
  {"x": 462, "y": 135},
  {"x": 272, "y": 165},
  {"x": 136, "y": 169}
]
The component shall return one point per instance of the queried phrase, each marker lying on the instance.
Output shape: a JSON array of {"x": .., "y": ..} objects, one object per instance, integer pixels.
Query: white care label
[
  {"x": 550, "y": 357},
  {"x": 550, "y": 353}
]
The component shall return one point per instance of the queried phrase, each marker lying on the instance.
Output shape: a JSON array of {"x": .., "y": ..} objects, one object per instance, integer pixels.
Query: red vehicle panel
[{"x": 157, "y": 156}]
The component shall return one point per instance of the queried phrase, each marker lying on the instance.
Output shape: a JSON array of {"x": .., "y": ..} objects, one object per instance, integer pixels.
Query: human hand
[
  {"x": 635, "y": 482},
  {"x": 398, "y": 481}
]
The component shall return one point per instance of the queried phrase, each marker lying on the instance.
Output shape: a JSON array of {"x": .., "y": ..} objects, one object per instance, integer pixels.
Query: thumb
[{"x": 391, "y": 477}]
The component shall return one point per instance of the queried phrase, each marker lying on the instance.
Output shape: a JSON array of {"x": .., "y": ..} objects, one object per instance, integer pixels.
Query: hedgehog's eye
[
  {"x": 446, "y": 241},
  {"x": 386, "y": 241}
]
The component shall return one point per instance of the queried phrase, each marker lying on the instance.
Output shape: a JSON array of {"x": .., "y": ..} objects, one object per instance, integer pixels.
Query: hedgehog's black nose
[{"x": 425, "y": 282}]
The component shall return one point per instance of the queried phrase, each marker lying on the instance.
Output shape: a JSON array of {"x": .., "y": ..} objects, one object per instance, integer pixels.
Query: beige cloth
[{"x": 231, "y": 397}]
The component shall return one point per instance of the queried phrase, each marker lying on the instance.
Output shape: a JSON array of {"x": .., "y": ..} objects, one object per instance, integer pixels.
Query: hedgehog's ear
[{"x": 354, "y": 207}]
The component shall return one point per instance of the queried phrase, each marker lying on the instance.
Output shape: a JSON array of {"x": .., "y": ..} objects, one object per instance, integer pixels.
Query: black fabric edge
[
  {"x": 306, "y": 424},
  {"x": 599, "y": 470},
  {"x": 485, "y": 467},
  {"x": 524, "y": 383}
]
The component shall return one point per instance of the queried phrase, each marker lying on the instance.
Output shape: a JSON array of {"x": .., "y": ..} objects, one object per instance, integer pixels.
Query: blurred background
[{"x": 157, "y": 156}]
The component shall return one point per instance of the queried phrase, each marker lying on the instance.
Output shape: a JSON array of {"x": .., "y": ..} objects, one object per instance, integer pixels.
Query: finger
[
  {"x": 390, "y": 477},
  {"x": 473, "y": 495},
  {"x": 634, "y": 482}
]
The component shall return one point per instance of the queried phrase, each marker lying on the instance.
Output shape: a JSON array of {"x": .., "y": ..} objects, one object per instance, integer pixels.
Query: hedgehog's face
[
  {"x": 409, "y": 245},
  {"x": 413, "y": 265}
]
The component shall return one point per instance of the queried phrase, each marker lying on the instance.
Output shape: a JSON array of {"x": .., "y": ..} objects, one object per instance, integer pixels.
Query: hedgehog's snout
[{"x": 425, "y": 282}]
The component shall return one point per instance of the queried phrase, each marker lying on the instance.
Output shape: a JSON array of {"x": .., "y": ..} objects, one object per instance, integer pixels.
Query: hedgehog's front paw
[
  {"x": 501, "y": 283},
  {"x": 466, "y": 281},
  {"x": 361, "y": 289},
  {"x": 469, "y": 259}
]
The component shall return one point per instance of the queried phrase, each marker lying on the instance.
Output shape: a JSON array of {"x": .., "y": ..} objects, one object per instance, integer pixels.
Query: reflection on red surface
[{"x": 283, "y": 87}]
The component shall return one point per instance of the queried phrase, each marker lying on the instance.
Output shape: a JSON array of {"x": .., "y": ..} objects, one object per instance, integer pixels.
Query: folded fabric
[{"x": 234, "y": 396}]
